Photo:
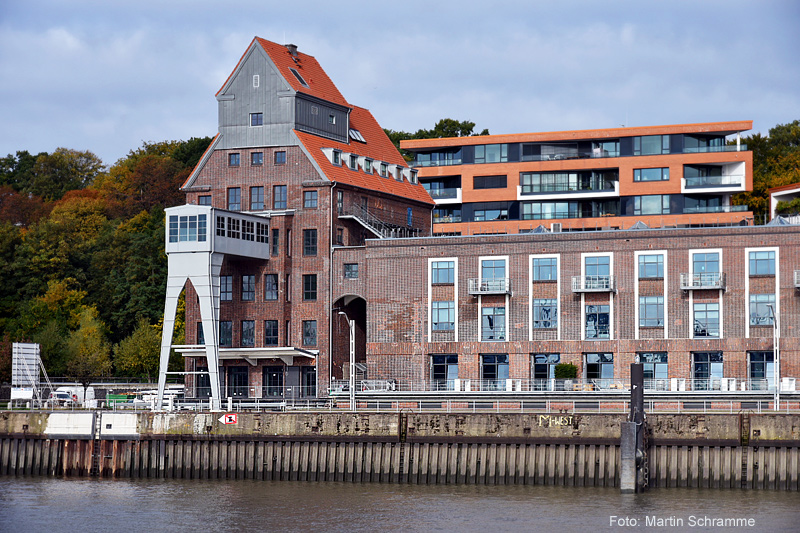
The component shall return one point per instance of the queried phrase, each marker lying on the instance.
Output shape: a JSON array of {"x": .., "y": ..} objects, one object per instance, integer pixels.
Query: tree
[
  {"x": 446, "y": 127},
  {"x": 188, "y": 153},
  {"x": 138, "y": 354},
  {"x": 63, "y": 170},
  {"x": 88, "y": 351},
  {"x": 17, "y": 171},
  {"x": 20, "y": 209}
]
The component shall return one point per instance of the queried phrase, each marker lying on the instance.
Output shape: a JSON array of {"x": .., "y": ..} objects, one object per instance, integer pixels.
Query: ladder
[
  {"x": 95, "y": 468},
  {"x": 744, "y": 434}
]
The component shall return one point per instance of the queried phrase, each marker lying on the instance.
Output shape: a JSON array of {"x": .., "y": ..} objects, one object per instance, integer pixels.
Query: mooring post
[{"x": 632, "y": 452}]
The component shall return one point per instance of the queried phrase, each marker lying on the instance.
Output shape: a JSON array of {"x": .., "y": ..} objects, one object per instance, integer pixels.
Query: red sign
[{"x": 228, "y": 418}]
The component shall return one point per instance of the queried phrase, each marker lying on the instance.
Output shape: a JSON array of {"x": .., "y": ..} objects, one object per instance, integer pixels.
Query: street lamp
[
  {"x": 776, "y": 337},
  {"x": 352, "y": 325}
]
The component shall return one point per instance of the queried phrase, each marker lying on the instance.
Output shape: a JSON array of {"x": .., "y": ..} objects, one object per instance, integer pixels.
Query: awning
[{"x": 251, "y": 355}]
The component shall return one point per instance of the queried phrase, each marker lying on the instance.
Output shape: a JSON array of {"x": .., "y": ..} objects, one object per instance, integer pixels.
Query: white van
[{"x": 71, "y": 396}]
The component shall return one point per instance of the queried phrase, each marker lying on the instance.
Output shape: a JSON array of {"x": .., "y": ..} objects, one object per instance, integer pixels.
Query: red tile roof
[{"x": 378, "y": 147}]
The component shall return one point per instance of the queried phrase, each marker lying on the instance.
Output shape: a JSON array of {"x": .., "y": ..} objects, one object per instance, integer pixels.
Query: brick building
[
  {"x": 587, "y": 180},
  {"x": 302, "y": 216}
]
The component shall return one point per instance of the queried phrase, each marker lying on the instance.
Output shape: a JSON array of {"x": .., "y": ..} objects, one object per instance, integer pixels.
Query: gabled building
[
  {"x": 295, "y": 177},
  {"x": 664, "y": 176}
]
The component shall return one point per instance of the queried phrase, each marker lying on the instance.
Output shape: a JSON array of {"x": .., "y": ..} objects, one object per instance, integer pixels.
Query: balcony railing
[
  {"x": 447, "y": 219},
  {"x": 530, "y": 190},
  {"x": 706, "y": 280},
  {"x": 489, "y": 286},
  {"x": 443, "y": 194},
  {"x": 436, "y": 163},
  {"x": 593, "y": 284},
  {"x": 709, "y": 149},
  {"x": 716, "y": 209},
  {"x": 715, "y": 181}
]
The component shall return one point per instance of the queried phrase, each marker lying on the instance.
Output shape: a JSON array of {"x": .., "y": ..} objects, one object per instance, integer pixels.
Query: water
[{"x": 44, "y": 504}]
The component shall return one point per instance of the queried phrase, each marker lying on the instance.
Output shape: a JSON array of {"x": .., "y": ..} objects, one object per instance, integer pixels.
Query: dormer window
[
  {"x": 356, "y": 136},
  {"x": 384, "y": 170},
  {"x": 412, "y": 177},
  {"x": 353, "y": 162},
  {"x": 398, "y": 175},
  {"x": 331, "y": 119},
  {"x": 368, "y": 166},
  {"x": 337, "y": 157}
]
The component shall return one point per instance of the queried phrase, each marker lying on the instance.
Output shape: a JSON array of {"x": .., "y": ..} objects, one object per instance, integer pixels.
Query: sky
[{"x": 106, "y": 76}]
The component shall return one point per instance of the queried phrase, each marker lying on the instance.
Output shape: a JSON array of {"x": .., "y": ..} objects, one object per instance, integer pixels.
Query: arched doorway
[{"x": 350, "y": 307}]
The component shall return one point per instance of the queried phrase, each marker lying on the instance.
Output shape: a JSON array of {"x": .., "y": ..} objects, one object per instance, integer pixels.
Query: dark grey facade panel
[{"x": 321, "y": 118}]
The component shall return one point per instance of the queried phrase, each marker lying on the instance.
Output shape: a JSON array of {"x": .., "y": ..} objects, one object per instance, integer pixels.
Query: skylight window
[
  {"x": 356, "y": 136},
  {"x": 299, "y": 77}
]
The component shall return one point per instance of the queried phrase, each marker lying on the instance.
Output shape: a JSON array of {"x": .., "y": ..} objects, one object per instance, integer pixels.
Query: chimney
[{"x": 292, "y": 49}]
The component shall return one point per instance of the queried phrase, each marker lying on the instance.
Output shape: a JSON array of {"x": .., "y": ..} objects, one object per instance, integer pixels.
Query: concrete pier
[{"x": 543, "y": 449}]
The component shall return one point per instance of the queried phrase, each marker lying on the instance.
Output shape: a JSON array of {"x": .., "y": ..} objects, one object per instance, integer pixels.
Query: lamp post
[
  {"x": 352, "y": 325},
  {"x": 776, "y": 337}
]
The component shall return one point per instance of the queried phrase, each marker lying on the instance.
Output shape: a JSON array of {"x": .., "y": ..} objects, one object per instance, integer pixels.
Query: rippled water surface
[{"x": 81, "y": 505}]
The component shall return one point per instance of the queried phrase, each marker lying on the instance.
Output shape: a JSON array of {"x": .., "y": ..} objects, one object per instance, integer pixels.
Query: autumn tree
[
  {"x": 138, "y": 354},
  {"x": 88, "y": 351}
]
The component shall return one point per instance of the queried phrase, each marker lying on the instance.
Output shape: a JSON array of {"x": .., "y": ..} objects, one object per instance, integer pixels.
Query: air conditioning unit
[{"x": 555, "y": 227}]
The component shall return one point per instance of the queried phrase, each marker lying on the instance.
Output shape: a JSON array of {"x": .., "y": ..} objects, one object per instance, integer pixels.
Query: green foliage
[
  {"x": 788, "y": 208},
  {"x": 188, "y": 153},
  {"x": 88, "y": 352},
  {"x": 5, "y": 359},
  {"x": 446, "y": 127},
  {"x": 137, "y": 355},
  {"x": 776, "y": 162},
  {"x": 17, "y": 171},
  {"x": 565, "y": 371},
  {"x": 63, "y": 170}
]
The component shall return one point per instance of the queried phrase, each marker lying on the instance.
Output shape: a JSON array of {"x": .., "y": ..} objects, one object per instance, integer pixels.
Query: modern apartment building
[{"x": 663, "y": 176}]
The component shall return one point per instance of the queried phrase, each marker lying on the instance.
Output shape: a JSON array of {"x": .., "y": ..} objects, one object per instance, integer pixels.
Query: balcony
[
  {"x": 436, "y": 162},
  {"x": 736, "y": 180},
  {"x": 716, "y": 209},
  {"x": 594, "y": 284},
  {"x": 709, "y": 149},
  {"x": 479, "y": 286},
  {"x": 707, "y": 280},
  {"x": 443, "y": 194}
]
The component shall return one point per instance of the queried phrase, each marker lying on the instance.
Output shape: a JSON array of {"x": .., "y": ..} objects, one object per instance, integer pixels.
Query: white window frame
[
  {"x": 692, "y": 252},
  {"x": 611, "y": 324},
  {"x": 531, "y": 257},
  {"x": 431, "y": 261},
  {"x": 481, "y": 259},
  {"x": 777, "y": 293},
  {"x": 665, "y": 281}
]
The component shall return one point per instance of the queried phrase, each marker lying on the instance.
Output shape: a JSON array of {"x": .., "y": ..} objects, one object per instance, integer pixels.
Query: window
[
  {"x": 352, "y": 162},
  {"x": 550, "y": 210},
  {"x": 494, "y": 371},
  {"x": 256, "y": 119},
  {"x": 309, "y": 242},
  {"x": 256, "y": 158},
  {"x": 220, "y": 226},
  {"x": 272, "y": 377},
  {"x": 339, "y": 203},
  {"x": 545, "y": 269},
  {"x": 493, "y": 324},
  {"x": 543, "y": 369},
  {"x": 443, "y": 316},
  {"x": 309, "y": 332},
  {"x": 489, "y": 182},
  {"x": 226, "y": 288},
  {"x": 600, "y": 366},
  {"x": 187, "y": 228},
  {"x": 597, "y": 272},
  {"x": 493, "y": 269},
  {"x": 409, "y": 217},
  {"x": 762, "y": 263},
  {"x": 351, "y": 270},
  {"x": 270, "y": 333},
  {"x": 761, "y": 370},
  {"x": 201, "y": 338},
  {"x": 340, "y": 236},
  {"x": 299, "y": 78},
  {"x": 276, "y": 235},
  {"x": 443, "y": 272},
  {"x": 653, "y": 204},
  {"x": 444, "y": 370},
  {"x": 383, "y": 170},
  {"x": 288, "y": 285},
  {"x": 233, "y": 160},
  {"x": 597, "y": 322},
  {"x": 651, "y": 174},
  {"x": 651, "y": 311},
  {"x": 706, "y": 320},
  {"x": 762, "y": 309},
  {"x": 491, "y": 153},
  {"x": 707, "y": 370},
  {"x": 248, "y": 288},
  {"x": 655, "y": 369},
  {"x": 256, "y": 198},
  {"x": 310, "y": 199},
  {"x": 545, "y": 313},
  {"x": 651, "y": 145},
  {"x": 225, "y": 333},
  {"x": 705, "y": 263},
  {"x": 279, "y": 197},
  {"x": 248, "y": 230},
  {"x": 270, "y": 286},
  {"x": 262, "y": 233},
  {"x": 204, "y": 199},
  {"x": 308, "y": 380},
  {"x": 331, "y": 119},
  {"x": 337, "y": 157},
  {"x": 651, "y": 266},
  {"x": 248, "y": 333},
  {"x": 368, "y": 166},
  {"x": 234, "y": 199},
  {"x": 309, "y": 287},
  {"x": 280, "y": 157},
  {"x": 499, "y": 213},
  {"x": 233, "y": 228}
]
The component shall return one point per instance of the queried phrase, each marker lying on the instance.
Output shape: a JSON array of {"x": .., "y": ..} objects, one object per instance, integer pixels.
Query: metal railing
[
  {"x": 593, "y": 284},
  {"x": 489, "y": 285},
  {"x": 706, "y": 280}
]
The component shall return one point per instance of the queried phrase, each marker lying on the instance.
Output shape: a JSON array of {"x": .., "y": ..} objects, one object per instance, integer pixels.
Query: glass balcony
[
  {"x": 706, "y": 280},
  {"x": 709, "y": 149},
  {"x": 489, "y": 286},
  {"x": 593, "y": 284},
  {"x": 436, "y": 162},
  {"x": 715, "y": 181},
  {"x": 716, "y": 209},
  {"x": 442, "y": 194}
]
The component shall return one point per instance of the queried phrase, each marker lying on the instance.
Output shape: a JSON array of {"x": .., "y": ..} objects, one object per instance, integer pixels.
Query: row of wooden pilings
[{"x": 396, "y": 462}]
